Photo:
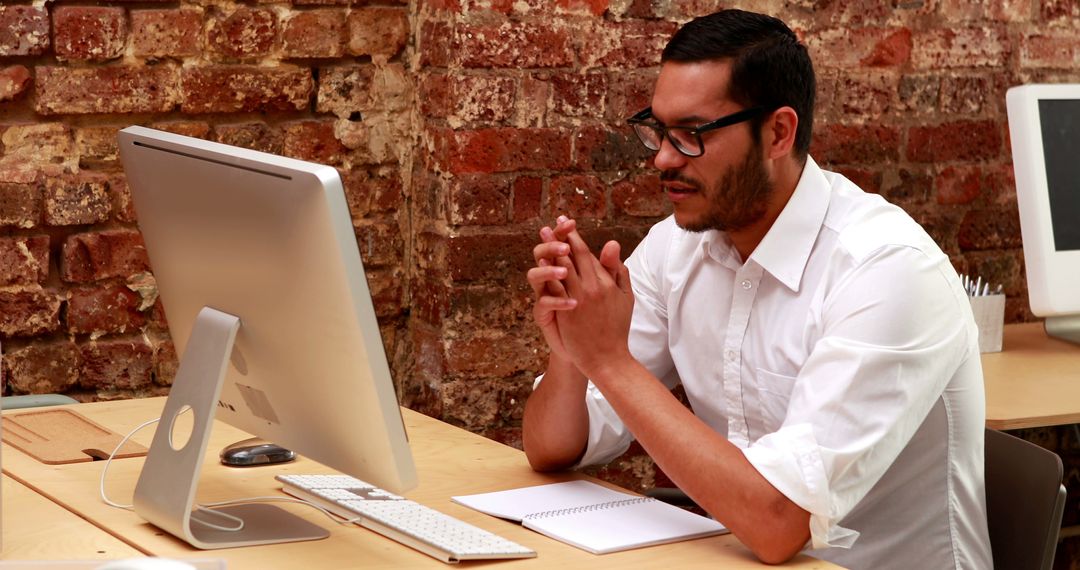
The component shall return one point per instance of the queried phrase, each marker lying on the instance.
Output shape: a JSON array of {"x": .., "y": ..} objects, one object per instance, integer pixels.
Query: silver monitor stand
[
  {"x": 1066, "y": 328},
  {"x": 165, "y": 493}
]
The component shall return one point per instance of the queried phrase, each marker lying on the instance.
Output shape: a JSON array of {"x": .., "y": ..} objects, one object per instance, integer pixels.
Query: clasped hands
[{"x": 583, "y": 303}]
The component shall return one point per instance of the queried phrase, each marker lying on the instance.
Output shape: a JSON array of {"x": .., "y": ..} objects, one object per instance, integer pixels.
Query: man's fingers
[
  {"x": 548, "y": 304},
  {"x": 609, "y": 259},
  {"x": 550, "y": 250},
  {"x": 563, "y": 228},
  {"x": 546, "y": 280}
]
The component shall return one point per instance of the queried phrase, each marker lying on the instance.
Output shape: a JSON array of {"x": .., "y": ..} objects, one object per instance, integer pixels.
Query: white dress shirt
[{"x": 841, "y": 357}]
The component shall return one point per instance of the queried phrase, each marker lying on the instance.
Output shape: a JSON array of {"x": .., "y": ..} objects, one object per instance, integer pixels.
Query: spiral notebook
[{"x": 593, "y": 517}]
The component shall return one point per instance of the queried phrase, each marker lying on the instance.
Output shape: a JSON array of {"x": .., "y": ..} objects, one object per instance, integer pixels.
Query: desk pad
[{"x": 56, "y": 437}]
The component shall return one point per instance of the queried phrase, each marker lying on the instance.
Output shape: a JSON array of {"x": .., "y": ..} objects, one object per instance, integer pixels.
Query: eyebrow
[{"x": 683, "y": 121}]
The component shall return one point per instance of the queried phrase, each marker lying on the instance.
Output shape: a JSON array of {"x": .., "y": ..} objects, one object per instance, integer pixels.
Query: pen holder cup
[{"x": 989, "y": 313}]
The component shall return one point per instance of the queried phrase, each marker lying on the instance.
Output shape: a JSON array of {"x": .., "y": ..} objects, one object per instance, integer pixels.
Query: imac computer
[
  {"x": 259, "y": 272},
  {"x": 1044, "y": 125}
]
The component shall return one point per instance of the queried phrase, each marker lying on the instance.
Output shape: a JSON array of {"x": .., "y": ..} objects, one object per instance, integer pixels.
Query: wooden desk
[
  {"x": 450, "y": 461},
  {"x": 35, "y": 528},
  {"x": 1034, "y": 381}
]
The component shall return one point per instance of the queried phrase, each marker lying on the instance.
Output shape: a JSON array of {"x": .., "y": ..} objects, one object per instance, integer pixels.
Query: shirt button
[
  {"x": 746, "y": 284},
  {"x": 730, "y": 355}
]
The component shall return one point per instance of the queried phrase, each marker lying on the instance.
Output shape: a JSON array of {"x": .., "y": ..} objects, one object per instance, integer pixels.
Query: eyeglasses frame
[{"x": 642, "y": 118}]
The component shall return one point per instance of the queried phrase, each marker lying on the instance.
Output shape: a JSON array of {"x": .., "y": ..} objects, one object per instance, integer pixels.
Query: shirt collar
[{"x": 785, "y": 249}]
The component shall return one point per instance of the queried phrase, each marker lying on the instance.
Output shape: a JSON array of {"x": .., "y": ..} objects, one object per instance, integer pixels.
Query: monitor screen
[
  {"x": 1060, "y": 124},
  {"x": 260, "y": 276}
]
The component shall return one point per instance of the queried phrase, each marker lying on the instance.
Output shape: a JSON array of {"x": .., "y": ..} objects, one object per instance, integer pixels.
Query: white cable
[
  {"x": 204, "y": 507},
  {"x": 105, "y": 470}
]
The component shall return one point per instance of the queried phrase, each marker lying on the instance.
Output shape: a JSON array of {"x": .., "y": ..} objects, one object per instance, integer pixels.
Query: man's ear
[{"x": 779, "y": 135}]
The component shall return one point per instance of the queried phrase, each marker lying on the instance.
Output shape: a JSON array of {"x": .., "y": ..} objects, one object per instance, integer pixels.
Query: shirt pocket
[{"x": 774, "y": 393}]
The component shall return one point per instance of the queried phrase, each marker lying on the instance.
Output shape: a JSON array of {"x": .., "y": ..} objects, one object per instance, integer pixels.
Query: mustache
[{"x": 673, "y": 176}]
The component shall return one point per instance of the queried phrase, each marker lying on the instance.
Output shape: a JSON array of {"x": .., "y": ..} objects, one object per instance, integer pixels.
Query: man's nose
[{"x": 668, "y": 157}]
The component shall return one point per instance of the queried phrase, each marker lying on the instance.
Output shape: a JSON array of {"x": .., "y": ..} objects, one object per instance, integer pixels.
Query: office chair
[{"x": 1024, "y": 502}]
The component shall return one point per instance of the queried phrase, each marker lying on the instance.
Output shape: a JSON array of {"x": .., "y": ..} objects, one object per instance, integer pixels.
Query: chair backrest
[{"x": 1024, "y": 502}]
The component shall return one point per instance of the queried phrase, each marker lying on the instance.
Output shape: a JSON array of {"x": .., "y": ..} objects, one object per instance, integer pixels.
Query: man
[{"x": 822, "y": 338}]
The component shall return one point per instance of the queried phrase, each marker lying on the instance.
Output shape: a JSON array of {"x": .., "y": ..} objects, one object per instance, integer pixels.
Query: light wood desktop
[
  {"x": 1034, "y": 381},
  {"x": 36, "y": 528},
  {"x": 450, "y": 461}
]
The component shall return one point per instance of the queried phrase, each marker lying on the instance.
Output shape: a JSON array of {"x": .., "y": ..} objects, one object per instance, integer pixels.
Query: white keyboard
[{"x": 436, "y": 534}]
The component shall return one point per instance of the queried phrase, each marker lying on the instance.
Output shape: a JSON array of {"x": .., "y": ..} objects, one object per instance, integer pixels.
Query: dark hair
[{"x": 769, "y": 67}]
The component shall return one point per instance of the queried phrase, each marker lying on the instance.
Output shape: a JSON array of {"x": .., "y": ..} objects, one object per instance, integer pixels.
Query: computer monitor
[
  {"x": 1044, "y": 125},
  {"x": 259, "y": 272}
]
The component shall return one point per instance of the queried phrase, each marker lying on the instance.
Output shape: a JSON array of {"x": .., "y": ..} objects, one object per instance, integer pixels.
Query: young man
[{"x": 822, "y": 338}]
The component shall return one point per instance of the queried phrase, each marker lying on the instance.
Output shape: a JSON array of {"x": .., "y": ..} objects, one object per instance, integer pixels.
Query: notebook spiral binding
[{"x": 588, "y": 508}]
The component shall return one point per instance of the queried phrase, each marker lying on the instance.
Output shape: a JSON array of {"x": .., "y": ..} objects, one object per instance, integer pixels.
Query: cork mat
[{"x": 63, "y": 436}]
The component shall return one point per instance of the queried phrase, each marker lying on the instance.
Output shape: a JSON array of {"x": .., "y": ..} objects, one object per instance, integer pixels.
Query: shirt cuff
[{"x": 790, "y": 460}]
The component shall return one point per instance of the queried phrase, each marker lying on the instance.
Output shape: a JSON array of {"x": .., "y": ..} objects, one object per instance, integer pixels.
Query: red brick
[
  {"x": 640, "y": 196},
  {"x": 919, "y": 94},
  {"x": 344, "y": 90},
  {"x": 995, "y": 10},
  {"x": 315, "y": 33},
  {"x": 1060, "y": 51},
  {"x": 166, "y": 361},
  {"x": 20, "y": 205},
  {"x": 972, "y": 95},
  {"x": 24, "y": 30},
  {"x": 372, "y": 192},
  {"x": 166, "y": 33},
  {"x": 100, "y": 255},
  {"x": 102, "y": 309},
  {"x": 86, "y": 33},
  {"x": 468, "y": 99},
  {"x": 35, "y": 150},
  {"x": 123, "y": 207},
  {"x": 602, "y": 148},
  {"x": 485, "y": 401},
  {"x": 579, "y": 95},
  {"x": 1053, "y": 10},
  {"x": 255, "y": 136},
  {"x": 849, "y": 144},
  {"x": 430, "y": 299},
  {"x": 490, "y": 255},
  {"x": 196, "y": 129},
  {"x": 991, "y": 228},
  {"x": 119, "y": 90},
  {"x": 125, "y": 363},
  {"x": 314, "y": 141},
  {"x": 42, "y": 367},
  {"x": 29, "y": 311},
  {"x": 24, "y": 260},
  {"x": 435, "y": 42},
  {"x": 867, "y": 179},
  {"x": 379, "y": 31},
  {"x": 513, "y": 45},
  {"x": 861, "y": 47},
  {"x": 579, "y": 196},
  {"x": 910, "y": 186},
  {"x": 505, "y": 150},
  {"x": 380, "y": 243},
  {"x": 235, "y": 89},
  {"x": 76, "y": 200},
  {"x": 958, "y": 185},
  {"x": 959, "y": 140},
  {"x": 594, "y": 7},
  {"x": 243, "y": 34},
  {"x": 860, "y": 93},
  {"x": 528, "y": 191},
  {"x": 628, "y": 93},
  {"x": 387, "y": 291},
  {"x": 960, "y": 47},
  {"x": 631, "y": 43},
  {"x": 14, "y": 80},
  {"x": 97, "y": 145},
  {"x": 322, "y": 2},
  {"x": 478, "y": 199}
]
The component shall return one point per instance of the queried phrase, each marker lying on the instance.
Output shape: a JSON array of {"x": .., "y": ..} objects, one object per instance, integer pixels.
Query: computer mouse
[
  {"x": 149, "y": 563},
  {"x": 255, "y": 451}
]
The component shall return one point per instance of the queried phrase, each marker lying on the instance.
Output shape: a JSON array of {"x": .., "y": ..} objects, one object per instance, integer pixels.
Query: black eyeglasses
[{"x": 686, "y": 140}]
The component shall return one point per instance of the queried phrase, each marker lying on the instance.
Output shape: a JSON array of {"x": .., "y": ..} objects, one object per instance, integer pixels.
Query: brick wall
[{"x": 459, "y": 127}]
